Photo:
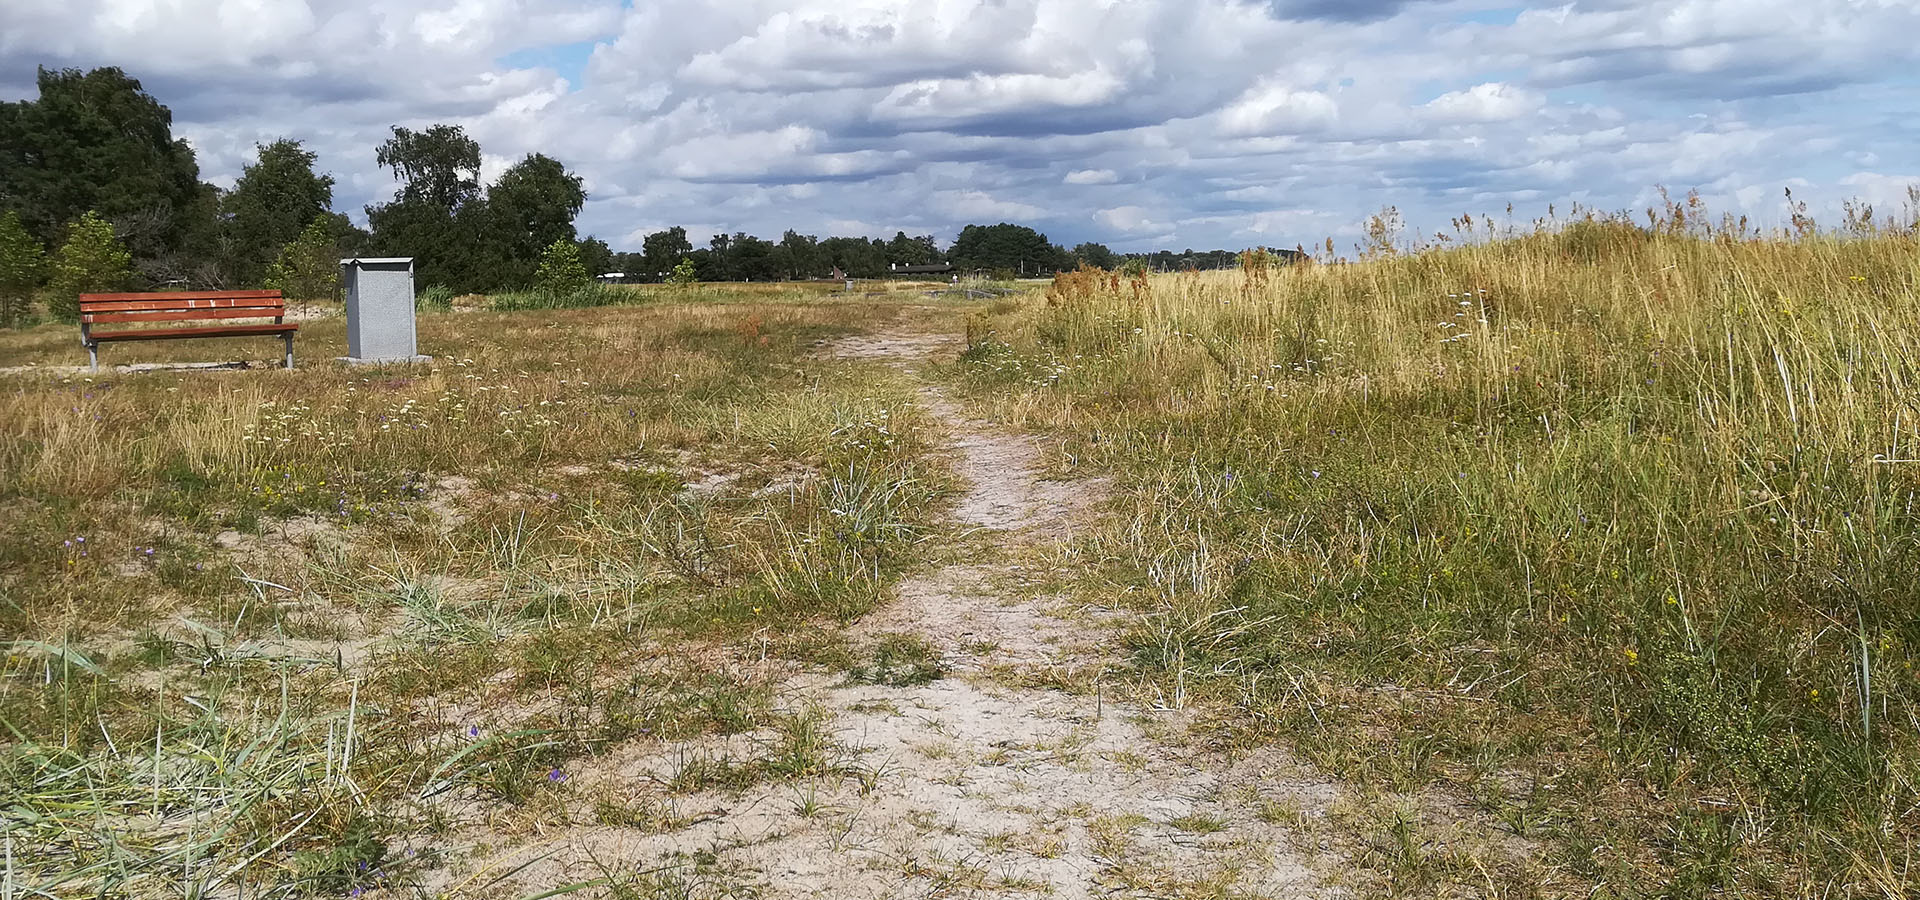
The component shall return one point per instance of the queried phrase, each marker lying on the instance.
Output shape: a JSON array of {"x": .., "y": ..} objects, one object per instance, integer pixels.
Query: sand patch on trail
[{"x": 969, "y": 785}]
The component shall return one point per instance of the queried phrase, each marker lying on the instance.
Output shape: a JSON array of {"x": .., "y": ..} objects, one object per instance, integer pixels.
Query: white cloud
[
  {"x": 1128, "y": 219},
  {"x": 1091, "y": 176},
  {"x": 977, "y": 206},
  {"x": 1493, "y": 101},
  {"x": 1229, "y": 122},
  {"x": 1274, "y": 109}
]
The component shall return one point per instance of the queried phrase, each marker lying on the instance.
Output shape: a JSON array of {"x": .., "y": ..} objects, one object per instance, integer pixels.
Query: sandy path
[{"x": 975, "y": 785}]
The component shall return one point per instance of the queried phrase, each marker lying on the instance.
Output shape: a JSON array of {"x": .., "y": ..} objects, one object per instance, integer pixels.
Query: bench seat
[
  {"x": 168, "y": 334},
  {"x": 203, "y": 313}
]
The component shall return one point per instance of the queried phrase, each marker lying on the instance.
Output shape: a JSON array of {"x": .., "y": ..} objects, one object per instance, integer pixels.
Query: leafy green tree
[
  {"x": 96, "y": 142},
  {"x": 858, "y": 257},
  {"x": 1003, "y": 246},
  {"x": 22, "y": 264},
  {"x": 271, "y": 206},
  {"x": 532, "y": 205},
  {"x": 92, "y": 259},
  {"x": 912, "y": 251},
  {"x": 683, "y": 273},
  {"x": 1096, "y": 255},
  {"x": 597, "y": 256},
  {"x": 800, "y": 255},
  {"x": 560, "y": 268},
  {"x": 663, "y": 250},
  {"x": 438, "y": 167},
  {"x": 309, "y": 266},
  {"x": 438, "y": 216}
]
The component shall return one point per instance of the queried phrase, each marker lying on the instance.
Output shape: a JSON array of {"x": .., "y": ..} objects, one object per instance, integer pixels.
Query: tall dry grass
[{"x": 1609, "y": 530}]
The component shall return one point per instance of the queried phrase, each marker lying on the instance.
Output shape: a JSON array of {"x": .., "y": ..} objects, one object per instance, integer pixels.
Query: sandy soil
[{"x": 976, "y": 785}]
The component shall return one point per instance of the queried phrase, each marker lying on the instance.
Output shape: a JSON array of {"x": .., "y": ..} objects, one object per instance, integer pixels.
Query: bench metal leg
[
  {"x": 93, "y": 356},
  {"x": 289, "y": 340}
]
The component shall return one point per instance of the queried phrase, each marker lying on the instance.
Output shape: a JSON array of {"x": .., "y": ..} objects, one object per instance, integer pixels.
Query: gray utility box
[{"x": 379, "y": 310}]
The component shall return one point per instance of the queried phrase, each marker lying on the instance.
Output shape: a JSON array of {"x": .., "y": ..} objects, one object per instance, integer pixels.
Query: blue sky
[{"x": 1138, "y": 123}]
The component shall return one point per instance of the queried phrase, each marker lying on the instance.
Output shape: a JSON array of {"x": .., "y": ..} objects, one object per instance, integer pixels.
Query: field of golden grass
[{"x": 1602, "y": 537}]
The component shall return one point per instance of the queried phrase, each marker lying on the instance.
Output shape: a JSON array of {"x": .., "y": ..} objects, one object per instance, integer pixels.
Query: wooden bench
[{"x": 183, "y": 306}]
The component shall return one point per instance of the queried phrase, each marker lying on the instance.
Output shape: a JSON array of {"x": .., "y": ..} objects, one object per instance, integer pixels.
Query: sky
[{"x": 1142, "y": 124}]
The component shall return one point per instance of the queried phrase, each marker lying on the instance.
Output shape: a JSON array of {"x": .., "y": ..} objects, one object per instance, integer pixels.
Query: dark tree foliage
[
  {"x": 857, "y": 257},
  {"x": 1014, "y": 248},
  {"x": 913, "y": 251},
  {"x": 95, "y": 141},
  {"x": 1096, "y": 255},
  {"x": 533, "y": 205},
  {"x": 458, "y": 237},
  {"x": 438, "y": 168},
  {"x": 271, "y": 204},
  {"x": 662, "y": 250},
  {"x": 800, "y": 254},
  {"x": 598, "y": 257}
]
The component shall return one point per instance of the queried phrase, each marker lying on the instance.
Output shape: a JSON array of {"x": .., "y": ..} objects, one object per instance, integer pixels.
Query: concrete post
[{"x": 379, "y": 310}]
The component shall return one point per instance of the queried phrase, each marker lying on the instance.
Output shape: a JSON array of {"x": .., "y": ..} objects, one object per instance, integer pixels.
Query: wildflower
[
  {"x": 1633, "y": 656},
  {"x": 556, "y": 776},
  {"x": 1814, "y": 695}
]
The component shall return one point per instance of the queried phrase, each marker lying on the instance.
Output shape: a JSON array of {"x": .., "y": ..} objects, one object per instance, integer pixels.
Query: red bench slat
[
  {"x": 173, "y": 305},
  {"x": 156, "y": 296},
  {"x": 169, "y": 334},
  {"x": 179, "y": 315}
]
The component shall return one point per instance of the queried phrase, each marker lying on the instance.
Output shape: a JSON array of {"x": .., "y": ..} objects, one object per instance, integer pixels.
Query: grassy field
[
  {"x": 1589, "y": 556},
  {"x": 285, "y": 631},
  {"x": 1585, "y": 560}
]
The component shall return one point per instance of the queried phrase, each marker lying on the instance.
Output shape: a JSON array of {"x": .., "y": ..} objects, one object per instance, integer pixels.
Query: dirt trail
[{"x": 976, "y": 785}]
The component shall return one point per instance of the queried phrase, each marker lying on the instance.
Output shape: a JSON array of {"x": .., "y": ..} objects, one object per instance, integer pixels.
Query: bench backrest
[{"x": 168, "y": 306}]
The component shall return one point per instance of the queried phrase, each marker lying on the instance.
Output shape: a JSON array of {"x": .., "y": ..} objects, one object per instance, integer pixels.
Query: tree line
[{"x": 97, "y": 194}]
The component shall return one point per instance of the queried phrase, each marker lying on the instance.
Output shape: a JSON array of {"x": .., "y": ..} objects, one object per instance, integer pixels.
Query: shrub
[
  {"x": 92, "y": 259},
  {"x": 309, "y": 266},
  {"x": 22, "y": 262},
  {"x": 561, "y": 270},
  {"x": 436, "y": 297}
]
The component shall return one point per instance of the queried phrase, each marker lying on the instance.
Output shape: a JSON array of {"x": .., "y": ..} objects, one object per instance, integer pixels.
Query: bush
[
  {"x": 309, "y": 266},
  {"x": 561, "y": 271},
  {"x": 21, "y": 264},
  {"x": 92, "y": 259},
  {"x": 435, "y": 298}
]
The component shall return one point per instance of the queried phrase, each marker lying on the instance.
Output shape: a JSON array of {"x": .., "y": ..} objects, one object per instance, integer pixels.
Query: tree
[
  {"x": 96, "y": 142},
  {"x": 438, "y": 167},
  {"x": 438, "y": 216},
  {"x": 912, "y": 251},
  {"x": 309, "y": 266},
  {"x": 663, "y": 250},
  {"x": 597, "y": 256},
  {"x": 800, "y": 255},
  {"x": 683, "y": 273},
  {"x": 532, "y": 206},
  {"x": 560, "y": 268},
  {"x": 92, "y": 259},
  {"x": 22, "y": 262},
  {"x": 1003, "y": 246},
  {"x": 1096, "y": 255},
  {"x": 271, "y": 206}
]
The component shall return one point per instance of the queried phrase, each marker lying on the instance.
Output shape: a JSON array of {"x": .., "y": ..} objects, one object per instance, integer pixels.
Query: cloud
[
  {"x": 1228, "y": 122},
  {"x": 1490, "y": 102},
  {"x": 978, "y": 206},
  {"x": 1271, "y": 109}
]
